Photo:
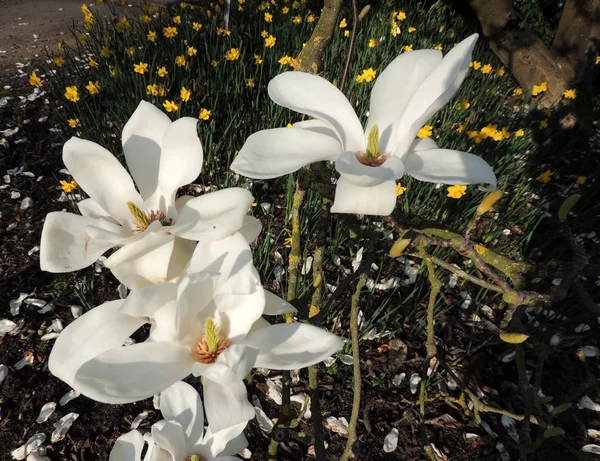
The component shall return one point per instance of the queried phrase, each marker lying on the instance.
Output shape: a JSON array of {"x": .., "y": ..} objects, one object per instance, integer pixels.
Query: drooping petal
[
  {"x": 169, "y": 436},
  {"x": 229, "y": 441},
  {"x": 133, "y": 373},
  {"x": 146, "y": 301},
  {"x": 449, "y": 167},
  {"x": 378, "y": 200},
  {"x": 128, "y": 447},
  {"x": 65, "y": 244},
  {"x": 272, "y": 153},
  {"x": 90, "y": 209},
  {"x": 142, "y": 138},
  {"x": 274, "y": 305},
  {"x": 144, "y": 262},
  {"x": 226, "y": 404},
  {"x": 182, "y": 403},
  {"x": 313, "y": 95},
  {"x": 95, "y": 332},
  {"x": 367, "y": 176},
  {"x": 434, "y": 93},
  {"x": 181, "y": 157},
  {"x": 213, "y": 216},
  {"x": 318, "y": 126},
  {"x": 251, "y": 229},
  {"x": 102, "y": 177},
  {"x": 289, "y": 346},
  {"x": 394, "y": 88}
]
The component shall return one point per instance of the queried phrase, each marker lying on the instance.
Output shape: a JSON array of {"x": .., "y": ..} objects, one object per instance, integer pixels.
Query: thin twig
[
  {"x": 356, "y": 367},
  {"x": 351, "y": 48}
]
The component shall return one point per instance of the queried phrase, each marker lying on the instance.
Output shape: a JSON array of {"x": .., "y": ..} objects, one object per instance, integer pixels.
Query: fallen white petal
[
  {"x": 391, "y": 441},
  {"x": 72, "y": 394},
  {"x": 76, "y": 311},
  {"x": 336, "y": 425},
  {"x": 591, "y": 448},
  {"x": 3, "y": 372},
  {"x": 265, "y": 423},
  {"x": 588, "y": 403},
  {"x": 138, "y": 420},
  {"x": 62, "y": 427},
  {"x": 346, "y": 359},
  {"x": 398, "y": 379},
  {"x": 32, "y": 444},
  {"x": 27, "y": 360},
  {"x": 15, "y": 304},
  {"x": 49, "y": 336},
  {"x": 6, "y": 326},
  {"x": 45, "y": 412},
  {"x": 415, "y": 379}
]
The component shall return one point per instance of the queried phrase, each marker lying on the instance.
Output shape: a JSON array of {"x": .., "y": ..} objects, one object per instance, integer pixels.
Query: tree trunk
[
  {"x": 310, "y": 58},
  {"x": 519, "y": 48}
]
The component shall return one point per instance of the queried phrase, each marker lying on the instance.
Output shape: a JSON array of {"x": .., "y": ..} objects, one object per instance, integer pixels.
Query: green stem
[{"x": 356, "y": 367}]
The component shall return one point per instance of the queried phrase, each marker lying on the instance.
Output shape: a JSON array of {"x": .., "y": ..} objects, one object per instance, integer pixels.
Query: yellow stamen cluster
[
  {"x": 144, "y": 219},
  {"x": 211, "y": 345}
]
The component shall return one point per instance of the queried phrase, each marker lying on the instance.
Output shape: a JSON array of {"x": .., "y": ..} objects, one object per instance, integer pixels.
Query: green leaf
[{"x": 553, "y": 431}]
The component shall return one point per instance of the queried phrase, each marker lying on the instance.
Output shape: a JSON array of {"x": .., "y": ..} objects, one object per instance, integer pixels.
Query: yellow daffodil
[
  {"x": 519, "y": 133},
  {"x": 151, "y": 36},
  {"x": 268, "y": 17},
  {"x": 105, "y": 52},
  {"x": 74, "y": 122},
  {"x": 257, "y": 59},
  {"x": 408, "y": 48},
  {"x": 185, "y": 94},
  {"x": 545, "y": 177},
  {"x": 92, "y": 62},
  {"x": 285, "y": 10},
  {"x": 310, "y": 18},
  {"x": 517, "y": 91},
  {"x": 570, "y": 94},
  {"x": 205, "y": 114},
  {"x": 287, "y": 60},
  {"x": 401, "y": 16},
  {"x": 500, "y": 72},
  {"x": 140, "y": 68},
  {"x": 152, "y": 90},
  {"x": 177, "y": 19},
  {"x": 214, "y": 63},
  {"x": 72, "y": 93},
  {"x": 425, "y": 132},
  {"x": 438, "y": 47},
  {"x": 581, "y": 180},
  {"x": 400, "y": 190},
  {"x": 464, "y": 105},
  {"x": 170, "y": 106},
  {"x": 250, "y": 83},
  {"x": 180, "y": 60},
  {"x": 343, "y": 23},
  {"x": 411, "y": 30},
  {"x": 297, "y": 20},
  {"x": 270, "y": 41},
  {"x": 191, "y": 51},
  {"x": 145, "y": 18},
  {"x": 92, "y": 87},
  {"x": 537, "y": 89},
  {"x": 68, "y": 187},
  {"x": 476, "y": 65},
  {"x": 35, "y": 80},
  {"x": 59, "y": 61},
  {"x": 368, "y": 75},
  {"x": 196, "y": 26},
  {"x": 457, "y": 191},
  {"x": 487, "y": 69},
  {"x": 130, "y": 51},
  {"x": 233, "y": 54},
  {"x": 373, "y": 43},
  {"x": 544, "y": 124},
  {"x": 162, "y": 71},
  {"x": 170, "y": 31}
]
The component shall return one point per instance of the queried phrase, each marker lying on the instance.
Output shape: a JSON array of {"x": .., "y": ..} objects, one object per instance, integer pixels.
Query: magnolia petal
[
  {"x": 229, "y": 441},
  {"x": 213, "y": 216},
  {"x": 434, "y": 93},
  {"x": 169, "y": 436},
  {"x": 226, "y": 404},
  {"x": 146, "y": 301},
  {"x": 66, "y": 246},
  {"x": 104, "y": 231},
  {"x": 95, "y": 332},
  {"x": 142, "y": 138},
  {"x": 181, "y": 157},
  {"x": 274, "y": 305},
  {"x": 318, "y": 126},
  {"x": 289, "y": 346},
  {"x": 251, "y": 229},
  {"x": 154, "y": 452},
  {"x": 272, "y": 153},
  {"x": 195, "y": 296},
  {"x": 183, "y": 250},
  {"x": 449, "y": 167},
  {"x": 133, "y": 373},
  {"x": 313, "y": 95},
  {"x": 422, "y": 144},
  {"x": 90, "y": 209},
  {"x": 182, "y": 403},
  {"x": 164, "y": 326},
  {"x": 102, "y": 177},
  {"x": 368, "y": 176},
  {"x": 378, "y": 200},
  {"x": 394, "y": 88},
  {"x": 128, "y": 447},
  {"x": 144, "y": 262}
]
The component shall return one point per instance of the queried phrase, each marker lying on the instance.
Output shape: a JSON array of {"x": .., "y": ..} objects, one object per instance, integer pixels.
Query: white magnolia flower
[
  {"x": 156, "y": 232},
  {"x": 208, "y": 325},
  {"x": 181, "y": 435},
  {"x": 407, "y": 93}
]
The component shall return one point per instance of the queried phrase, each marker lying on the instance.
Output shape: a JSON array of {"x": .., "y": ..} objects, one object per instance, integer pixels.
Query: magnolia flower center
[
  {"x": 208, "y": 348},
  {"x": 195, "y": 458},
  {"x": 372, "y": 157},
  {"x": 143, "y": 219}
]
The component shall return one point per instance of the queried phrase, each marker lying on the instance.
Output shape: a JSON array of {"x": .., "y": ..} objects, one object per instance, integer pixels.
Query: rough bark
[
  {"x": 310, "y": 58},
  {"x": 519, "y": 48}
]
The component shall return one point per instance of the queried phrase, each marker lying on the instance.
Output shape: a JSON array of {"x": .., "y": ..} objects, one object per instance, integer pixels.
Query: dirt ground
[{"x": 28, "y": 26}]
